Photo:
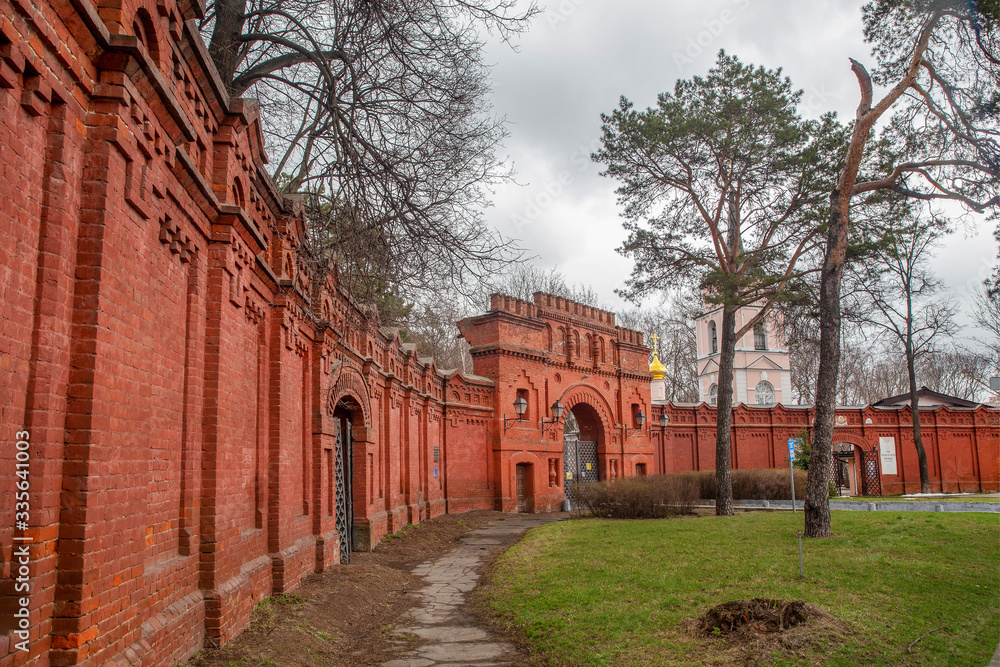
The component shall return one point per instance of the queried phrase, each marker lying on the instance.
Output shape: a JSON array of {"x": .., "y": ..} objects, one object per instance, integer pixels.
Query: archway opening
[
  {"x": 582, "y": 434},
  {"x": 845, "y": 473},
  {"x": 588, "y": 423},
  {"x": 347, "y": 480},
  {"x": 524, "y": 483},
  {"x": 856, "y": 470}
]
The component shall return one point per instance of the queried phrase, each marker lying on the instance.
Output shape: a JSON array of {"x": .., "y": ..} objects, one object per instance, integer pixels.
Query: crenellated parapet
[{"x": 557, "y": 305}]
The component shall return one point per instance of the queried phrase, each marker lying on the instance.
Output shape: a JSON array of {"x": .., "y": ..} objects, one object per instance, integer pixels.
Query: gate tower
[{"x": 553, "y": 351}]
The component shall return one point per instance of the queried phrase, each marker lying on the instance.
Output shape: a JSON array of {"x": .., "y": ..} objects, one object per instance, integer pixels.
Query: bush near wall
[
  {"x": 660, "y": 496},
  {"x": 768, "y": 484},
  {"x": 652, "y": 497}
]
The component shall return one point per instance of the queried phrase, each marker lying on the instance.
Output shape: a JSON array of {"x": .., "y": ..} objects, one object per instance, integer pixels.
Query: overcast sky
[{"x": 580, "y": 56}]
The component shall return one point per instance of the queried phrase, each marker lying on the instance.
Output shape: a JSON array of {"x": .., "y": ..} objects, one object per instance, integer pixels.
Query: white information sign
[{"x": 887, "y": 454}]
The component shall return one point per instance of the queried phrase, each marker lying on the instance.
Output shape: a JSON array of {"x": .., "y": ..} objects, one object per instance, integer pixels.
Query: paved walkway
[
  {"x": 449, "y": 636},
  {"x": 878, "y": 505}
]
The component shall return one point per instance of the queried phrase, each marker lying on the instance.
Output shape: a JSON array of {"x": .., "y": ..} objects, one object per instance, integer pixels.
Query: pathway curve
[{"x": 448, "y": 636}]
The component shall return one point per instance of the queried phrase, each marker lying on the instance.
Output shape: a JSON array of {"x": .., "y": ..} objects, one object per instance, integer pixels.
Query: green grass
[{"x": 596, "y": 592}]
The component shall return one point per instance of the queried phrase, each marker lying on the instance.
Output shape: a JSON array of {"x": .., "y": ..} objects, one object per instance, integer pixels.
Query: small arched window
[
  {"x": 759, "y": 337},
  {"x": 145, "y": 31},
  {"x": 713, "y": 394},
  {"x": 764, "y": 393},
  {"x": 713, "y": 336},
  {"x": 238, "y": 193}
]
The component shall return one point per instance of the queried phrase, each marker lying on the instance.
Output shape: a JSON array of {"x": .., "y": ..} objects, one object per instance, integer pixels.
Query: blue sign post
[{"x": 791, "y": 474}]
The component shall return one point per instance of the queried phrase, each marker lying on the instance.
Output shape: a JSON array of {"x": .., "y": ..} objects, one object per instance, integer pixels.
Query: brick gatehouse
[{"x": 202, "y": 423}]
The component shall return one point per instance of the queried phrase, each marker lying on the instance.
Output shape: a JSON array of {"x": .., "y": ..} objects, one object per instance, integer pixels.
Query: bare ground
[{"x": 345, "y": 617}]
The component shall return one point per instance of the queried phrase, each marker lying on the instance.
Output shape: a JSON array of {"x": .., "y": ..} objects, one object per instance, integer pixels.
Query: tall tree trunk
[
  {"x": 817, "y": 505},
  {"x": 925, "y": 479},
  {"x": 225, "y": 46},
  {"x": 724, "y": 415}
]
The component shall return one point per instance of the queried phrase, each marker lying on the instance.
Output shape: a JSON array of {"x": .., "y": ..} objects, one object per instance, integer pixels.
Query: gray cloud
[{"x": 580, "y": 56}]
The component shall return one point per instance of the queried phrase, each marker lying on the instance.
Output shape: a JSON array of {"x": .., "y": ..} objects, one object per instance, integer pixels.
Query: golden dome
[{"x": 657, "y": 368}]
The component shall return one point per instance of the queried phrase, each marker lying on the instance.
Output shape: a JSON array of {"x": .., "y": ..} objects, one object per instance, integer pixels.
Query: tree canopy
[
  {"x": 377, "y": 111},
  {"x": 723, "y": 184}
]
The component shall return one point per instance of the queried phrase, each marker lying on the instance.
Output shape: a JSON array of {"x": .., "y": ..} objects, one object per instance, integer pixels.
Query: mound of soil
[{"x": 756, "y": 615}]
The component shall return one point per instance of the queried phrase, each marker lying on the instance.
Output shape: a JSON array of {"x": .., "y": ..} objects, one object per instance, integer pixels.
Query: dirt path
[
  {"x": 346, "y": 617},
  {"x": 442, "y": 632}
]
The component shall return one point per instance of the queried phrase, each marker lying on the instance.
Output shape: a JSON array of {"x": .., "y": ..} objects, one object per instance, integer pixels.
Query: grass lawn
[{"x": 602, "y": 592}]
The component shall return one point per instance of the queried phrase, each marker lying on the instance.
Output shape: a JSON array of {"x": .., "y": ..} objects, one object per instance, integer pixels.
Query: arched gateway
[
  {"x": 856, "y": 469},
  {"x": 555, "y": 352},
  {"x": 580, "y": 458}
]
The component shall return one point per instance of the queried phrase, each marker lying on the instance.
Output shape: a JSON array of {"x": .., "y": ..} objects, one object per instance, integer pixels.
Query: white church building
[{"x": 761, "y": 366}]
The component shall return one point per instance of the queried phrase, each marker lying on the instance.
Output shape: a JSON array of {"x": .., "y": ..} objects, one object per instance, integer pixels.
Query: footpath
[
  {"x": 448, "y": 636},
  {"x": 874, "y": 506}
]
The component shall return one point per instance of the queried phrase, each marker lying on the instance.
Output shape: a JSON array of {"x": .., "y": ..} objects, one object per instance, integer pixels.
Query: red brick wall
[
  {"x": 175, "y": 369},
  {"x": 961, "y": 444}
]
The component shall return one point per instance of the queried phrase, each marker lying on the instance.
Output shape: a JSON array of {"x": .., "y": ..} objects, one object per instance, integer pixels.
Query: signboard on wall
[{"x": 887, "y": 454}]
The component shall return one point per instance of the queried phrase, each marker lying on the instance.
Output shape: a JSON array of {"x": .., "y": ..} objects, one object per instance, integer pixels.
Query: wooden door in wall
[{"x": 521, "y": 472}]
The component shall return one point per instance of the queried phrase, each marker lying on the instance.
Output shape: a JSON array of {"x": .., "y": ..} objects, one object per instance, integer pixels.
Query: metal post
[{"x": 800, "y": 554}]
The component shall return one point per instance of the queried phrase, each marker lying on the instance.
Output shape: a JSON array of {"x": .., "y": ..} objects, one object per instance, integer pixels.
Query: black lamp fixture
[
  {"x": 640, "y": 419},
  {"x": 557, "y": 412},
  {"x": 664, "y": 420},
  {"x": 520, "y": 406}
]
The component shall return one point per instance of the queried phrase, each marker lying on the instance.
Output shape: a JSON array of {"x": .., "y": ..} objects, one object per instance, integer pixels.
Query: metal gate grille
[
  {"x": 840, "y": 478},
  {"x": 342, "y": 476},
  {"x": 579, "y": 465},
  {"x": 871, "y": 479}
]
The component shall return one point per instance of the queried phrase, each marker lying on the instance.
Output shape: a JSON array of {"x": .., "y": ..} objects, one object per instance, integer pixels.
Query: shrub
[
  {"x": 769, "y": 484},
  {"x": 659, "y": 496},
  {"x": 652, "y": 497}
]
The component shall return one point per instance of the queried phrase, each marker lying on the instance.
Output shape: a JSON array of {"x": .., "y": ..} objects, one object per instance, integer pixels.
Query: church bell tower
[{"x": 761, "y": 373}]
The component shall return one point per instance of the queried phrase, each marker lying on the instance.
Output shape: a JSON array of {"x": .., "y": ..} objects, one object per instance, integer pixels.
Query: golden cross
[{"x": 656, "y": 341}]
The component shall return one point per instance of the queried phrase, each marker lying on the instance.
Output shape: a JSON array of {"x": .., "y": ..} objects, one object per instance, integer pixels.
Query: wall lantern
[
  {"x": 640, "y": 419},
  {"x": 520, "y": 406},
  {"x": 664, "y": 420},
  {"x": 557, "y": 412}
]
